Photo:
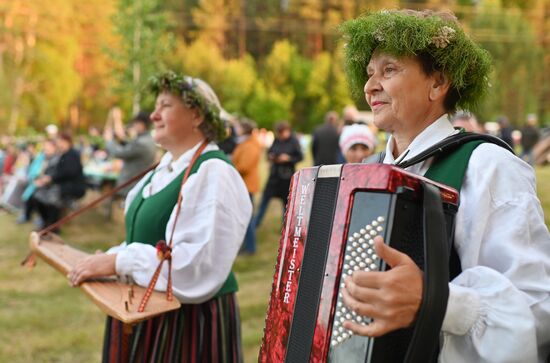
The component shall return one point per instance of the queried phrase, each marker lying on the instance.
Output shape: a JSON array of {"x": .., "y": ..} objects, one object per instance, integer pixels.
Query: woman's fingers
[{"x": 92, "y": 266}]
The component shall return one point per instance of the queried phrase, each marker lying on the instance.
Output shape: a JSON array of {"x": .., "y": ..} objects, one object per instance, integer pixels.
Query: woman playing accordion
[{"x": 415, "y": 69}]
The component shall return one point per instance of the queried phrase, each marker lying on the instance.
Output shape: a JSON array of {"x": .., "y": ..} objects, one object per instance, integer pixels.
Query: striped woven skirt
[{"x": 195, "y": 333}]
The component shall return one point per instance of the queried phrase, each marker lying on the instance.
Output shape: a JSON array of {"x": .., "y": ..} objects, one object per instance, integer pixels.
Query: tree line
[{"x": 67, "y": 61}]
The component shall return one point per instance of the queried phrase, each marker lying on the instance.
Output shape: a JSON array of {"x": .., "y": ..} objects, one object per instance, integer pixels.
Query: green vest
[
  {"x": 450, "y": 169},
  {"x": 146, "y": 219}
]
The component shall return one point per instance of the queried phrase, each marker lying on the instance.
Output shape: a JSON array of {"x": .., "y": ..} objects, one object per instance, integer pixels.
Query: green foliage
[
  {"x": 144, "y": 43},
  {"x": 239, "y": 79},
  {"x": 282, "y": 55},
  {"x": 517, "y": 62},
  {"x": 51, "y": 96},
  {"x": 273, "y": 94},
  {"x": 202, "y": 60},
  {"x": 233, "y": 80},
  {"x": 327, "y": 87},
  {"x": 37, "y": 64},
  {"x": 267, "y": 106}
]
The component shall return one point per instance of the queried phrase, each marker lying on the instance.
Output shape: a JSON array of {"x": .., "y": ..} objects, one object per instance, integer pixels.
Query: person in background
[
  {"x": 246, "y": 158},
  {"x": 468, "y": 122},
  {"x": 229, "y": 143},
  {"x": 414, "y": 68},
  {"x": 44, "y": 160},
  {"x": 530, "y": 135},
  {"x": 52, "y": 131},
  {"x": 9, "y": 160},
  {"x": 63, "y": 185},
  {"x": 11, "y": 196},
  {"x": 324, "y": 143},
  {"x": 208, "y": 231},
  {"x": 350, "y": 115},
  {"x": 283, "y": 155},
  {"x": 137, "y": 152},
  {"x": 357, "y": 142},
  {"x": 505, "y": 132}
]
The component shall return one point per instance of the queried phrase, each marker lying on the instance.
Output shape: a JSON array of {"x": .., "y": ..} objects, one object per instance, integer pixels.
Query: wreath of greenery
[
  {"x": 404, "y": 33},
  {"x": 187, "y": 89}
]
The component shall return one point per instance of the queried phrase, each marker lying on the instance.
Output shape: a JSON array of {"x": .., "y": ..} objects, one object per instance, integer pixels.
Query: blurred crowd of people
[
  {"x": 44, "y": 177},
  {"x": 48, "y": 176}
]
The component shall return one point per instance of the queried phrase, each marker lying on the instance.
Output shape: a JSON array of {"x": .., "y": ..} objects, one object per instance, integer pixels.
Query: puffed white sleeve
[
  {"x": 499, "y": 306},
  {"x": 209, "y": 231},
  {"x": 129, "y": 198}
]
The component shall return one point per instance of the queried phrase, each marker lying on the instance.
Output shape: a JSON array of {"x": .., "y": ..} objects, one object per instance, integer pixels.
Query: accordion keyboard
[{"x": 359, "y": 255}]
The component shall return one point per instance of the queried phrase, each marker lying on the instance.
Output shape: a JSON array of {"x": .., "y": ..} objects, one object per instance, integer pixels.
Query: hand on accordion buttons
[
  {"x": 97, "y": 265},
  {"x": 391, "y": 298}
]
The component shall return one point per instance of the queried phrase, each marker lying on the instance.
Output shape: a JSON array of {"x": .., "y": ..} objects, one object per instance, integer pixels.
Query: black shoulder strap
[
  {"x": 446, "y": 145},
  {"x": 452, "y": 143}
]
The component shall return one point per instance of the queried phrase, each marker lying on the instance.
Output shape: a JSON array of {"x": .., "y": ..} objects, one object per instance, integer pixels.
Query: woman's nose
[
  {"x": 154, "y": 115},
  {"x": 372, "y": 85}
]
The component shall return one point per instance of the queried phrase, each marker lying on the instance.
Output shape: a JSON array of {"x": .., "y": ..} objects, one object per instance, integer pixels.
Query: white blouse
[
  {"x": 499, "y": 306},
  {"x": 215, "y": 212}
]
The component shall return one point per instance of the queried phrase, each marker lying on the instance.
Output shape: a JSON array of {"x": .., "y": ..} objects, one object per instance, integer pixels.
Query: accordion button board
[{"x": 359, "y": 255}]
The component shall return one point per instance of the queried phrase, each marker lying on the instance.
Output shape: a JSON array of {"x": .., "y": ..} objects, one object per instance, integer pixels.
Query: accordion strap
[
  {"x": 451, "y": 143},
  {"x": 443, "y": 147},
  {"x": 425, "y": 338}
]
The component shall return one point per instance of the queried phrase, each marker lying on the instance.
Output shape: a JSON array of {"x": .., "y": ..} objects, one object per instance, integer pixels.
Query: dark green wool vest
[
  {"x": 146, "y": 219},
  {"x": 450, "y": 169}
]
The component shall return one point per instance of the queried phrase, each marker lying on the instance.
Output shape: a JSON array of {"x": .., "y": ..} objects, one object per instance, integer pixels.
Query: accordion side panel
[
  {"x": 330, "y": 283},
  {"x": 288, "y": 266}
]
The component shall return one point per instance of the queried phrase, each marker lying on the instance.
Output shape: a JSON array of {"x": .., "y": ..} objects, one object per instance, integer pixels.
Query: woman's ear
[
  {"x": 197, "y": 118},
  {"x": 440, "y": 86}
]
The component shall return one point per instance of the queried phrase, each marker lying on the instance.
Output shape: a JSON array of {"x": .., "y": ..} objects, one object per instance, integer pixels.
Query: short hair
[
  {"x": 143, "y": 117},
  {"x": 66, "y": 136},
  {"x": 331, "y": 116},
  {"x": 247, "y": 126},
  {"x": 282, "y": 126}
]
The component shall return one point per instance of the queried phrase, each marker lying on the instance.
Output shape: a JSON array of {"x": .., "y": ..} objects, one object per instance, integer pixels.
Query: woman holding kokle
[
  {"x": 416, "y": 68},
  {"x": 207, "y": 234}
]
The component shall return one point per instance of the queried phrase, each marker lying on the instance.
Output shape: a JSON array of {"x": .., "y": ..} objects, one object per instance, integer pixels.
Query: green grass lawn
[{"x": 42, "y": 319}]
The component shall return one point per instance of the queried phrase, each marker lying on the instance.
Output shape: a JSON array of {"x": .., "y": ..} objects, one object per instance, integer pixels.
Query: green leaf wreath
[
  {"x": 185, "y": 88},
  {"x": 408, "y": 33}
]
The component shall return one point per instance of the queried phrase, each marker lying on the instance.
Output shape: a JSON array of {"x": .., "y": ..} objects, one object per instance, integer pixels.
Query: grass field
[{"x": 42, "y": 319}]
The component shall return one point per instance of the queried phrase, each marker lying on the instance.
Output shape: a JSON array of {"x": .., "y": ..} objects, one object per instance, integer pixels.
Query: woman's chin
[{"x": 159, "y": 138}]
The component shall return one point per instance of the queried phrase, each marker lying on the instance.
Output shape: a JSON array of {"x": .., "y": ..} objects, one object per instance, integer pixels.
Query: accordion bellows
[{"x": 333, "y": 214}]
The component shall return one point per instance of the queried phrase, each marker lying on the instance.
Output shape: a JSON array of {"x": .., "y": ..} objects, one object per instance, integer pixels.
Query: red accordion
[{"x": 333, "y": 214}]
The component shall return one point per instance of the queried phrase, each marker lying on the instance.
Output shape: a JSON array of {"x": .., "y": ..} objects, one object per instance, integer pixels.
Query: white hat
[
  {"x": 51, "y": 130},
  {"x": 357, "y": 134}
]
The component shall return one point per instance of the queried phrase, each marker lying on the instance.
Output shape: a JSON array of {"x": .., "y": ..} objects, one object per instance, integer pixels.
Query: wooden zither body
[
  {"x": 333, "y": 214},
  {"x": 115, "y": 298}
]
